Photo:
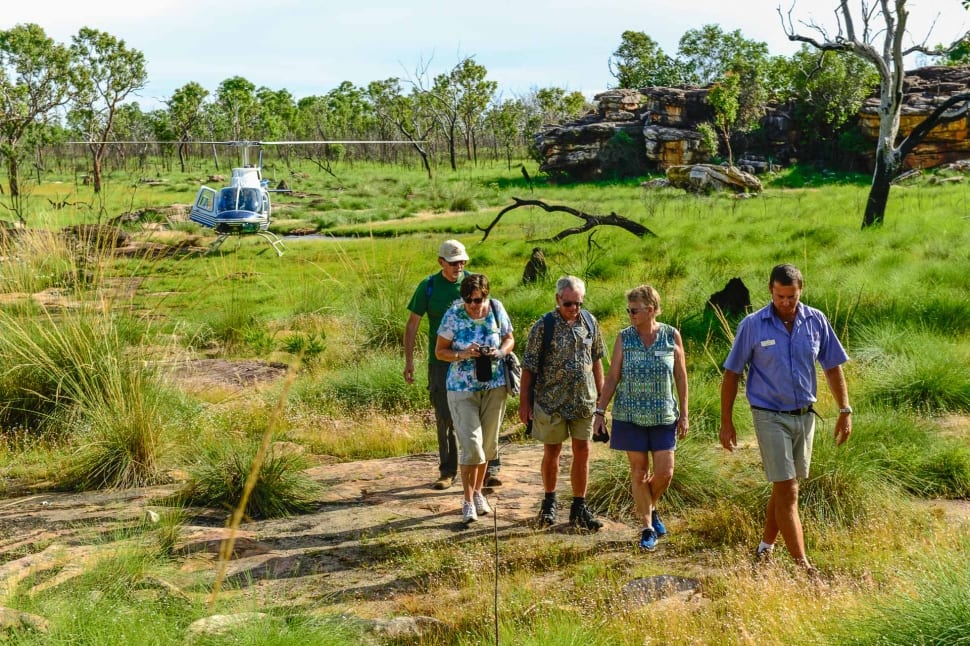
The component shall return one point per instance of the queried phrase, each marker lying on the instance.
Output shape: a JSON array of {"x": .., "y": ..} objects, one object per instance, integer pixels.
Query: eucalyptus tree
[
  {"x": 877, "y": 33},
  {"x": 186, "y": 115},
  {"x": 36, "y": 79},
  {"x": 459, "y": 99},
  {"x": 411, "y": 114},
  {"x": 640, "y": 62},
  {"x": 827, "y": 89},
  {"x": 507, "y": 121},
  {"x": 707, "y": 53},
  {"x": 723, "y": 98},
  {"x": 277, "y": 114},
  {"x": 235, "y": 110},
  {"x": 110, "y": 72},
  {"x": 475, "y": 93}
]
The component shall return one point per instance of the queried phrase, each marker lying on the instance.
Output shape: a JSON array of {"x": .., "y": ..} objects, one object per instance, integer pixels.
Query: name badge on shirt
[
  {"x": 767, "y": 343},
  {"x": 662, "y": 353}
]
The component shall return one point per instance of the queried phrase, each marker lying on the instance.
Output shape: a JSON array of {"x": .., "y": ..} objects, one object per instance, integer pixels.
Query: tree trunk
[
  {"x": 97, "y": 173},
  {"x": 181, "y": 149},
  {"x": 13, "y": 173},
  {"x": 886, "y": 167},
  {"x": 451, "y": 147}
]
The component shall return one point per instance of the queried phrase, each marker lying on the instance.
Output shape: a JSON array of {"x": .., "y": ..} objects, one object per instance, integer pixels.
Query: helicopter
[
  {"x": 241, "y": 208},
  {"x": 244, "y": 207}
]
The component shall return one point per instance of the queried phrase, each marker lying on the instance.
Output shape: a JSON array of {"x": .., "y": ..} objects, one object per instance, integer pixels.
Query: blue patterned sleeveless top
[{"x": 645, "y": 393}]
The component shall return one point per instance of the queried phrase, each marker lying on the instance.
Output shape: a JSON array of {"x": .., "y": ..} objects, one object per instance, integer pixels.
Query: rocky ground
[{"x": 337, "y": 558}]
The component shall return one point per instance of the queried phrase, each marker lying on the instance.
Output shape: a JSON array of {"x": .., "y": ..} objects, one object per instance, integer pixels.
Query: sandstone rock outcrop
[{"x": 923, "y": 90}]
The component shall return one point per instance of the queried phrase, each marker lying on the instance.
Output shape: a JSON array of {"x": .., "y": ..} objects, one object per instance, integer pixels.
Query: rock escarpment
[
  {"x": 923, "y": 90},
  {"x": 635, "y": 131}
]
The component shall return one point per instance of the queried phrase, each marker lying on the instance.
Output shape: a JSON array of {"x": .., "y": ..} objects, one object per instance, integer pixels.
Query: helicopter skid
[{"x": 274, "y": 240}]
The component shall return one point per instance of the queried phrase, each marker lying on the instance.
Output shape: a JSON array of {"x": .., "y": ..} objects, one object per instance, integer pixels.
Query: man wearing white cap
[{"x": 433, "y": 296}]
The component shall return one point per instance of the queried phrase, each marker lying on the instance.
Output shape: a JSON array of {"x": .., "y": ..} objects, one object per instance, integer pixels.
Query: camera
[
  {"x": 483, "y": 368},
  {"x": 486, "y": 350},
  {"x": 602, "y": 437}
]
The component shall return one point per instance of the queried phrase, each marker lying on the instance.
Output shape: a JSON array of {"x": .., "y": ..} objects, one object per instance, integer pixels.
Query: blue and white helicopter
[{"x": 243, "y": 207}]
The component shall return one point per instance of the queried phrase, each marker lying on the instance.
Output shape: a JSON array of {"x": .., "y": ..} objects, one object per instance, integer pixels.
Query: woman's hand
[{"x": 682, "y": 426}]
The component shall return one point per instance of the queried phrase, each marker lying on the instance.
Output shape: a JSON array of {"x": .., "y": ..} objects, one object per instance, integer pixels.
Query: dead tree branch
[{"x": 612, "y": 219}]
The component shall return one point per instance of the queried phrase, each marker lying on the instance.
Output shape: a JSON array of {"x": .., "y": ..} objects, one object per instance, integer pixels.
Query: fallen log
[{"x": 591, "y": 221}]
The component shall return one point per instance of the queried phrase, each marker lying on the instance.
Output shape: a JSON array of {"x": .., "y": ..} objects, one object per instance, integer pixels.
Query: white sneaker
[
  {"x": 468, "y": 514},
  {"x": 481, "y": 505}
]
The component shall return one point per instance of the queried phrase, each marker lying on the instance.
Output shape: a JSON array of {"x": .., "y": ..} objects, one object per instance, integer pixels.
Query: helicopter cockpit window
[
  {"x": 227, "y": 199},
  {"x": 249, "y": 200}
]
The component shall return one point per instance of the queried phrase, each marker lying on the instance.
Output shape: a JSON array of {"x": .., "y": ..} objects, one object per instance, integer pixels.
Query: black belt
[{"x": 797, "y": 411}]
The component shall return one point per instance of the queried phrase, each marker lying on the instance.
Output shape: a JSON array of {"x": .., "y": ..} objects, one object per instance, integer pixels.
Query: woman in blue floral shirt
[{"x": 474, "y": 336}]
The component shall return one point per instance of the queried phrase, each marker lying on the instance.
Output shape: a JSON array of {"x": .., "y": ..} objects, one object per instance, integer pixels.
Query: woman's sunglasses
[{"x": 476, "y": 301}]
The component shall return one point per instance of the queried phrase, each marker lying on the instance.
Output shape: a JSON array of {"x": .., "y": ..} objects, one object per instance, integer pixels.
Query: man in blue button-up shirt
[{"x": 779, "y": 344}]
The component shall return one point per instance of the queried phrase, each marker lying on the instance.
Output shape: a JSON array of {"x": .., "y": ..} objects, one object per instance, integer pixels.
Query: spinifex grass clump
[
  {"x": 697, "y": 481},
  {"x": 281, "y": 488}
]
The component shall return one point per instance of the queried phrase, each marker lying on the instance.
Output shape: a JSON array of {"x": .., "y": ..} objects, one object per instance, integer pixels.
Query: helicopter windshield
[{"x": 234, "y": 198}]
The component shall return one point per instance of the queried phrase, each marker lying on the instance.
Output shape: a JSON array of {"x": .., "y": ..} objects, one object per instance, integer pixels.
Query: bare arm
[
  {"x": 729, "y": 391},
  {"x": 680, "y": 380},
  {"x": 609, "y": 384},
  {"x": 843, "y": 425},
  {"x": 410, "y": 335}
]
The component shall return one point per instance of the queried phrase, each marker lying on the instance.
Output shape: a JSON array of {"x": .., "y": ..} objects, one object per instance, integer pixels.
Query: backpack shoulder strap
[
  {"x": 589, "y": 321},
  {"x": 428, "y": 289},
  {"x": 548, "y": 324}
]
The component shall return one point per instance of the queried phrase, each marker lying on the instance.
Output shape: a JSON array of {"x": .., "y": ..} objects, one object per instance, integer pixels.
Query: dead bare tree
[
  {"x": 877, "y": 35},
  {"x": 612, "y": 219}
]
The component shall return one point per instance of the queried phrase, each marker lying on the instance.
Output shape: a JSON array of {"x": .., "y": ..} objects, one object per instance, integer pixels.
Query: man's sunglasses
[
  {"x": 476, "y": 301},
  {"x": 572, "y": 303}
]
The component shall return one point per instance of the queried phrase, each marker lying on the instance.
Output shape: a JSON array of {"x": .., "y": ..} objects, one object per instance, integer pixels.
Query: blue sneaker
[
  {"x": 658, "y": 525},
  {"x": 648, "y": 539}
]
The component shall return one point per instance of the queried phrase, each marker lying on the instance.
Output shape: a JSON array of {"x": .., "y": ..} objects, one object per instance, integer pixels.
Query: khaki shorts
[
  {"x": 477, "y": 417},
  {"x": 785, "y": 442},
  {"x": 553, "y": 429}
]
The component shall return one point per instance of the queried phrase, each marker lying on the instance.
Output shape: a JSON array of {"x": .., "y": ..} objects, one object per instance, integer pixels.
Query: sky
[{"x": 310, "y": 46}]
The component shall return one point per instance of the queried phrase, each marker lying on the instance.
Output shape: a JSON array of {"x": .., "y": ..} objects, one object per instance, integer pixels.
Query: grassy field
[{"x": 86, "y": 401}]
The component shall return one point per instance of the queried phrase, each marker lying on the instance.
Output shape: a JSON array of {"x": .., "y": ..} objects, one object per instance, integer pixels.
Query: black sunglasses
[
  {"x": 633, "y": 310},
  {"x": 476, "y": 301},
  {"x": 572, "y": 303}
]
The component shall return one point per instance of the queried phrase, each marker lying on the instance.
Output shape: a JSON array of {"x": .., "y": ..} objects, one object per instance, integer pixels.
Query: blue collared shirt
[{"x": 781, "y": 366}]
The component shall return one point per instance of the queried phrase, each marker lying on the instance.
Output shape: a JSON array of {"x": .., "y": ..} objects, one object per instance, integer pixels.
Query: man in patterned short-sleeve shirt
[{"x": 567, "y": 384}]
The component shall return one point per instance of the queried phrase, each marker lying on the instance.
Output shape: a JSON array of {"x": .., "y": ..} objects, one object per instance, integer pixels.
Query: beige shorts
[
  {"x": 785, "y": 442},
  {"x": 477, "y": 417},
  {"x": 554, "y": 429}
]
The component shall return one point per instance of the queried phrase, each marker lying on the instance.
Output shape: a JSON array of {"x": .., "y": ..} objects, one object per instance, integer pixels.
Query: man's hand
[
  {"x": 843, "y": 428},
  {"x": 409, "y": 372},
  {"x": 729, "y": 436}
]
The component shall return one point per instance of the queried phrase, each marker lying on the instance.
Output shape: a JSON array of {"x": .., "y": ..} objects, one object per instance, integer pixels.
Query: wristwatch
[{"x": 847, "y": 410}]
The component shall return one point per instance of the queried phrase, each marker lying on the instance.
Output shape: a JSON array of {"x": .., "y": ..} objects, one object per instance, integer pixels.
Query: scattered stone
[
  {"x": 216, "y": 178},
  {"x": 152, "y": 516},
  {"x": 641, "y": 592},
  {"x": 223, "y": 625},
  {"x": 12, "y": 620},
  {"x": 406, "y": 629},
  {"x": 98, "y": 236}
]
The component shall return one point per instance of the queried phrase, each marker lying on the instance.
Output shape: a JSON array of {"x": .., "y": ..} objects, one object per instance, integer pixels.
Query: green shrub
[{"x": 281, "y": 487}]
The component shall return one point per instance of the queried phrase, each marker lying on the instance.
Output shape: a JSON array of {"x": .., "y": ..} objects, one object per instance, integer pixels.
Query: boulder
[{"x": 706, "y": 178}]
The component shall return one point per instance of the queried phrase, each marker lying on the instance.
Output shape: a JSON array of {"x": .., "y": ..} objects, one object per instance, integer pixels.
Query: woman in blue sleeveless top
[{"x": 648, "y": 364}]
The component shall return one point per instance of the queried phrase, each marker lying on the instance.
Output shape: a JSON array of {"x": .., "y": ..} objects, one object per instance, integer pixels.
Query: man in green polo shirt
[{"x": 433, "y": 296}]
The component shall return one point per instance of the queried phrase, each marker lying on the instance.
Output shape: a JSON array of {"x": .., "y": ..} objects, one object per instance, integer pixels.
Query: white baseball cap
[{"x": 452, "y": 251}]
